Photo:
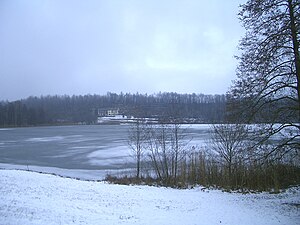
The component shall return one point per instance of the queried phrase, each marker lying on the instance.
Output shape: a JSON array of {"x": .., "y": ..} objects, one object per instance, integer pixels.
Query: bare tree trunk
[
  {"x": 136, "y": 139},
  {"x": 295, "y": 49}
]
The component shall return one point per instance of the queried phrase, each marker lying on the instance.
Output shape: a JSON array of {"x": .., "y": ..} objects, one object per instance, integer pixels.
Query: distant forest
[{"x": 59, "y": 110}]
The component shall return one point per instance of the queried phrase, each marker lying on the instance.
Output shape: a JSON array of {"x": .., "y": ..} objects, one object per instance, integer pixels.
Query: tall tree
[{"x": 269, "y": 71}]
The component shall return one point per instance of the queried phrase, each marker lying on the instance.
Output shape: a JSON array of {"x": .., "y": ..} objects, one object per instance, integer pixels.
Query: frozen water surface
[{"x": 78, "y": 148}]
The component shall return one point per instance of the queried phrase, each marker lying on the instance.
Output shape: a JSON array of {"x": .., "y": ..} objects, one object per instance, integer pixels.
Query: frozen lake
[{"x": 69, "y": 150}]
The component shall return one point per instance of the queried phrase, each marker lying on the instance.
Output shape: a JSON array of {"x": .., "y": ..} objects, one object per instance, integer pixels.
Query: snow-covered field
[{"x": 33, "y": 198}]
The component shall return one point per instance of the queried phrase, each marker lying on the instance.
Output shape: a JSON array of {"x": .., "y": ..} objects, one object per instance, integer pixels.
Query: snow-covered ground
[{"x": 33, "y": 198}]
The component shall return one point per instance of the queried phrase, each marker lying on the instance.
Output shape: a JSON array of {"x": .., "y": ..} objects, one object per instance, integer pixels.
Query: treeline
[
  {"x": 50, "y": 110},
  {"x": 19, "y": 114}
]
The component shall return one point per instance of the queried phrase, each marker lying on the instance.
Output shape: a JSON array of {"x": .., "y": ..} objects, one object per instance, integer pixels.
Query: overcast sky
[{"x": 96, "y": 46}]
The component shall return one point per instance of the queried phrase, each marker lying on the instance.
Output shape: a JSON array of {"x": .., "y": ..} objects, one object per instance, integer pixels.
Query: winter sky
[{"x": 95, "y": 46}]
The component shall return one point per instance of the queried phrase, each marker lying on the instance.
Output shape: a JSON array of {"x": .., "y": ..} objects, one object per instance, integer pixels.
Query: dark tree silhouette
[{"x": 267, "y": 89}]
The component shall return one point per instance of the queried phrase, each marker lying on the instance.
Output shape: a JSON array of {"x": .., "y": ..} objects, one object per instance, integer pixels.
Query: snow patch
[
  {"x": 45, "y": 139},
  {"x": 32, "y": 198}
]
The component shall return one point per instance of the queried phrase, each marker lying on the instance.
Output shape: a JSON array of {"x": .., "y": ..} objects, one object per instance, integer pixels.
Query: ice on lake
[{"x": 80, "y": 148}]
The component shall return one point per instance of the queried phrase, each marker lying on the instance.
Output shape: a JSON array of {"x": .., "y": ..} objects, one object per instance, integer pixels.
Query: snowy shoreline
[
  {"x": 34, "y": 198},
  {"x": 86, "y": 175}
]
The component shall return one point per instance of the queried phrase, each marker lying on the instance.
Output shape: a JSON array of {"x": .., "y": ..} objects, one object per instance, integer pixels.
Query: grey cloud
[{"x": 80, "y": 47}]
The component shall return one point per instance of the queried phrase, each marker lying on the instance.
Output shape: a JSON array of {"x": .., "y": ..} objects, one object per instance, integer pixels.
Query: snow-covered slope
[{"x": 32, "y": 198}]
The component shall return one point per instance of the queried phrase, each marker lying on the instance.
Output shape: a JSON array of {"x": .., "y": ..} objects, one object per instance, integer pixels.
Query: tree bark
[{"x": 295, "y": 49}]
